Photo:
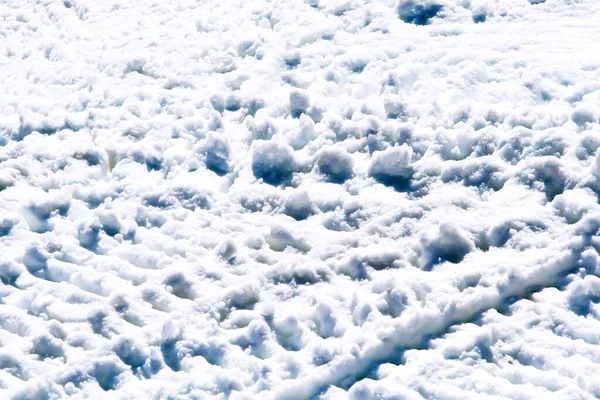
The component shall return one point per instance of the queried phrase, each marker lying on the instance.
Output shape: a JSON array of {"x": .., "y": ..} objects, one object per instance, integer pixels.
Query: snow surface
[{"x": 299, "y": 199}]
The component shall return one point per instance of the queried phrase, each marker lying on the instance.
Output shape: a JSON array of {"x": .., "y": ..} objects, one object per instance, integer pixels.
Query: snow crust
[{"x": 295, "y": 199}]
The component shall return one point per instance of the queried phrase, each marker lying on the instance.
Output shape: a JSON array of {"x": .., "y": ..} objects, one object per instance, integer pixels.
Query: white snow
[{"x": 290, "y": 199}]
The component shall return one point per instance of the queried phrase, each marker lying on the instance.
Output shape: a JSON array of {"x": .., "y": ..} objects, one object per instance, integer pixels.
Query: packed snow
[{"x": 299, "y": 199}]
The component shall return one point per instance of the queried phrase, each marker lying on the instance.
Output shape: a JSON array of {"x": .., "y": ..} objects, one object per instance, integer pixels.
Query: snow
[{"x": 299, "y": 199}]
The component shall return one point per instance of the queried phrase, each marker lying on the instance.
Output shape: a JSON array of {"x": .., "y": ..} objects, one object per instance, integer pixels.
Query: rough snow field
[{"x": 286, "y": 199}]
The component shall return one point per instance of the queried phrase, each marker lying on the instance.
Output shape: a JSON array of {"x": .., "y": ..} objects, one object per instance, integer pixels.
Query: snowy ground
[{"x": 284, "y": 199}]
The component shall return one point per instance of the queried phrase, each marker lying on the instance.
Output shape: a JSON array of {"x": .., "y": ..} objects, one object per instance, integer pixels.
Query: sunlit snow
[{"x": 288, "y": 199}]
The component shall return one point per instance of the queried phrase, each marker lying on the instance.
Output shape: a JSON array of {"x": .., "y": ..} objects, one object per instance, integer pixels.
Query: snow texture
[{"x": 299, "y": 199}]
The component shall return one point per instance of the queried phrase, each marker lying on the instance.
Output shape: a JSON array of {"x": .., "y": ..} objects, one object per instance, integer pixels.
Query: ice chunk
[
  {"x": 325, "y": 319},
  {"x": 273, "y": 162},
  {"x": 131, "y": 353},
  {"x": 7, "y": 223},
  {"x": 107, "y": 372},
  {"x": 216, "y": 151},
  {"x": 88, "y": 234},
  {"x": 299, "y": 205},
  {"x": 180, "y": 286},
  {"x": 449, "y": 244},
  {"x": 305, "y": 134},
  {"x": 582, "y": 116},
  {"x": 335, "y": 163},
  {"x": 226, "y": 249},
  {"x": 418, "y": 12},
  {"x": 299, "y": 104},
  {"x": 47, "y": 346},
  {"x": 392, "y": 166},
  {"x": 280, "y": 237},
  {"x": 257, "y": 332}
]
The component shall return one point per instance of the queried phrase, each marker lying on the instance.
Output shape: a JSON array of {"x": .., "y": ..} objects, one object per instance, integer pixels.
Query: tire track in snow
[{"x": 414, "y": 330}]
